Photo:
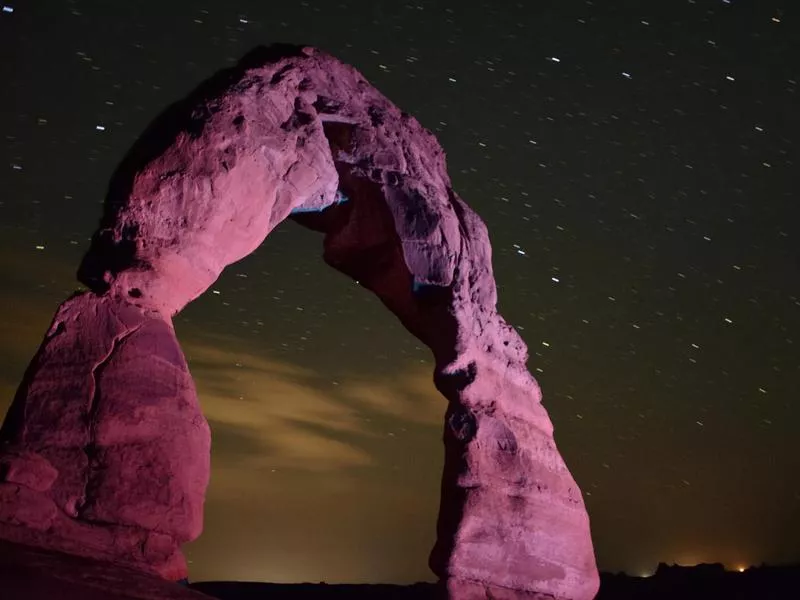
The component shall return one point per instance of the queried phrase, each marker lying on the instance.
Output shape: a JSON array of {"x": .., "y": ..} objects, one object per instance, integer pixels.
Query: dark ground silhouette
[{"x": 706, "y": 582}]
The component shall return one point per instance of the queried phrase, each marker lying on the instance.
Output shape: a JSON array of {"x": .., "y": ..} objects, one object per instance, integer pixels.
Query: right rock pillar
[{"x": 512, "y": 522}]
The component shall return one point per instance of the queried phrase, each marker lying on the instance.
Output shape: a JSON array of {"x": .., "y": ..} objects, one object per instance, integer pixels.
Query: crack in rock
[{"x": 91, "y": 449}]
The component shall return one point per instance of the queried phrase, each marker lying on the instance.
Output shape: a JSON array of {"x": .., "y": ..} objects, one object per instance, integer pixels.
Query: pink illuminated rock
[
  {"x": 105, "y": 453},
  {"x": 292, "y": 132}
]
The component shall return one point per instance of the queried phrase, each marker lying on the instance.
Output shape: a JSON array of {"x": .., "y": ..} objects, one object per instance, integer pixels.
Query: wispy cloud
[
  {"x": 298, "y": 418},
  {"x": 311, "y": 478}
]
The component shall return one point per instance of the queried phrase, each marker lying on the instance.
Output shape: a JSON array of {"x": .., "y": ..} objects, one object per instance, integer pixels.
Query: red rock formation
[
  {"x": 292, "y": 132},
  {"x": 105, "y": 453}
]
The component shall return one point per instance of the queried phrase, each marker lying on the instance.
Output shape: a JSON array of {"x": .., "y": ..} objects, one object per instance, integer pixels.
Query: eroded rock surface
[
  {"x": 292, "y": 132},
  {"x": 105, "y": 452}
]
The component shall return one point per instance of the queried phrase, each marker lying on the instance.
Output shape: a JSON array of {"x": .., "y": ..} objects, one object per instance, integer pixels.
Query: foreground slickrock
[
  {"x": 108, "y": 404},
  {"x": 28, "y": 573}
]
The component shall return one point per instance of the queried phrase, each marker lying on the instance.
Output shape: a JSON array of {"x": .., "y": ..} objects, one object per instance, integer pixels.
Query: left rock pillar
[{"x": 104, "y": 451}]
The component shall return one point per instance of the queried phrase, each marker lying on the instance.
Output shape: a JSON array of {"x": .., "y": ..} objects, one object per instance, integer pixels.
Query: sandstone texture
[
  {"x": 104, "y": 452},
  {"x": 289, "y": 133}
]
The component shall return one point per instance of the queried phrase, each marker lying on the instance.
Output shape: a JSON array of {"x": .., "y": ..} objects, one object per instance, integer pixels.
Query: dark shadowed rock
[
  {"x": 290, "y": 132},
  {"x": 251, "y": 590},
  {"x": 28, "y": 573}
]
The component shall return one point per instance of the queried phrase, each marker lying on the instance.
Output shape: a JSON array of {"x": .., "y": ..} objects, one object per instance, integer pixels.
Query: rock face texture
[
  {"x": 105, "y": 453},
  {"x": 289, "y": 132}
]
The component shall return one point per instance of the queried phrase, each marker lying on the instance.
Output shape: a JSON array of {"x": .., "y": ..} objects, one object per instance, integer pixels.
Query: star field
[{"x": 636, "y": 167}]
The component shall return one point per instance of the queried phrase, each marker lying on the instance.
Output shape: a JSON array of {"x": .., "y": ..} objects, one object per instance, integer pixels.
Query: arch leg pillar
[
  {"x": 512, "y": 522},
  {"x": 104, "y": 452}
]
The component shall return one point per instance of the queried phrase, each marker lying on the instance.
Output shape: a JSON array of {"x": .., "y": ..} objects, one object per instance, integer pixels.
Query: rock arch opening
[
  {"x": 325, "y": 425},
  {"x": 105, "y": 451}
]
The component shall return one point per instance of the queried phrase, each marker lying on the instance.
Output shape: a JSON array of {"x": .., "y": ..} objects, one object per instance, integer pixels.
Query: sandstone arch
[{"x": 105, "y": 451}]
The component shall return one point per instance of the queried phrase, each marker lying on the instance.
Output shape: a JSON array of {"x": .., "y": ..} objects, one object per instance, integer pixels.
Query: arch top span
[
  {"x": 291, "y": 132},
  {"x": 268, "y": 139}
]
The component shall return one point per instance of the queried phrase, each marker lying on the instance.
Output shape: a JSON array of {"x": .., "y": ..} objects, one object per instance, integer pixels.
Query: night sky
[{"x": 636, "y": 164}]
